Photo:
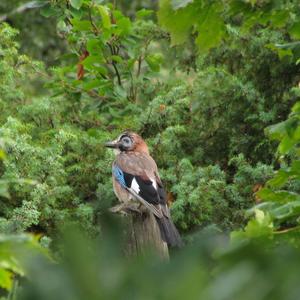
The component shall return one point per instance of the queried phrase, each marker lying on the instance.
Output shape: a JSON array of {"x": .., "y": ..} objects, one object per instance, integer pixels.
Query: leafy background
[{"x": 212, "y": 87}]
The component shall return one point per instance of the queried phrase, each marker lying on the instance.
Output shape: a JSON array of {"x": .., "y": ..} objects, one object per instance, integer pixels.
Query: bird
[{"x": 136, "y": 178}]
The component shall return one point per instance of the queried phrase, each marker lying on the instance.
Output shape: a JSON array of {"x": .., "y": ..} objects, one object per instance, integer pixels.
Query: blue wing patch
[{"x": 119, "y": 175}]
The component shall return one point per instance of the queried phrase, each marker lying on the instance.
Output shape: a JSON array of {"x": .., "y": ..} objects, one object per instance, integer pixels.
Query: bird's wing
[{"x": 137, "y": 172}]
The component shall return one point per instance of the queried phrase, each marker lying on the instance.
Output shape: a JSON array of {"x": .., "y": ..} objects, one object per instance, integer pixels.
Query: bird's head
[{"x": 128, "y": 141}]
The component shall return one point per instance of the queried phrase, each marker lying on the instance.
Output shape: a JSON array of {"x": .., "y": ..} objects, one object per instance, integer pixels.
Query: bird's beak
[{"x": 112, "y": 144}]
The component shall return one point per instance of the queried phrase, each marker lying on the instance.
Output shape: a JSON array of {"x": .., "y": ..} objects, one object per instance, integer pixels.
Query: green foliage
[
  {"x": 211, "y": 21},
  {"x": 49, "y": 181},
  {"x": 193, "y": 16},
  {"x": 282, "y": 191},
  {"x": 13, "y": 250},
  {"x": 57, "y": 167},
  {"x": 204, "y": 196},
  {"x": 38, "y": 38},
  {"x": 203, "y": 116},
  {"x": 119, "y": 57},
  {"x": 100, "y": 271}
]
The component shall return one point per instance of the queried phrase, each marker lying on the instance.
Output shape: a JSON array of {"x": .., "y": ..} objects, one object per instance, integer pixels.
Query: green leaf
[
  {"x": 286, "y": 145},
  {"x": 49, "y": 11},
  {"x": 295, "y": 31},
  {"x": 101, "y": 69},
  {"x": 154, "y": 61},
  {"x": 185, "y": 19},
  {"x": 6, "y": 280},
  {"x": 94, "y": 46},
  {"x": 4, "y": 189},
  {"x": 81, "y": 25},
  {"x": 123, "y": 24},
  {"x": 2, "y": 154},
  {"x": 279, "y": 18},
  {"x": 278, "y": 196},
  {"x": 105, "y": 16},
  {"x": 295, "y": 167},
  {"x": 296, "y": 107},
  {"x": 276, "y": 131},
  {"x": 144, "y": 13},
  {"x": 210, "y": 29},
  {"x": 92, "y": 84},
  {"x": 76, "y": 3},
  {"x": 205, "y": 19},
  {"x": 286, "y": 211},
  {"x": 260, "y": 226},
  {"x": 91, "y": 60},
  {"x": 280, "y": 51},
  {"x": 279, "y": 179},
  {"x": 117, "y": 58}
]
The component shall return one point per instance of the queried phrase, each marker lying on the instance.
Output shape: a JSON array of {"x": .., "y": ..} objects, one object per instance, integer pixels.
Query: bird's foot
[{"x": 125, "y": 208}]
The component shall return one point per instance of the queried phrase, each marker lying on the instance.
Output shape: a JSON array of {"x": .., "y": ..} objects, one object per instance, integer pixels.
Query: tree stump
[{"x": 143, "y": 235}]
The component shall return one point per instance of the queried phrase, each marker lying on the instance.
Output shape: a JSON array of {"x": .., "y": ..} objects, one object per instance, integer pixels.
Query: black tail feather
[{"x": 168, "y": 232}]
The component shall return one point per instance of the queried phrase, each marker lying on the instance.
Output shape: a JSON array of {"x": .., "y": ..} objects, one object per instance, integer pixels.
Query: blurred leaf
[
  {"x": 117, "y": 58},
  {"x": 4, "y": 189},
  {"x": 276, "y": 131},
  {"x": 295, "y": 30},
  {"x": 287, "y": 210},
  {"x": 105, "y": 16},
  {"x": 185, "y": 18},
  {"x": 277, "y": 196},
  {"x": 260, "y": 226},
  {"x": 280, "y": 52},
  {"x": 123, "y": 24},
  {"x": 2, "y": 154},
  {"x": 76, "y": 3},
  {"x": 81, "y": 25},
  {"x": 49, "y": 11},
  {"x": 286, "y": 145},
  {"x": 6, "y": 278},
  {"x": 210, "y": 30},
  {"x": 91, "y": 60},
  {"x": 144, "y": 13},
  {"x": 92, "y": 84},
  {"x": 280, "y": 178},
  {"x": 154, "y": 61},
  {"x": 279, "y": 18},
  {"x": 94, "y": 46}
]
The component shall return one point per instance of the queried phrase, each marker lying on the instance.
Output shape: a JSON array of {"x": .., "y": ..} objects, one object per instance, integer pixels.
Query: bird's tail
[{"x": 168, "y": 232}]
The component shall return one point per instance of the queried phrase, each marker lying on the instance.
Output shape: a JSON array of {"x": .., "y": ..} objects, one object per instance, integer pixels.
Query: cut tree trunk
[
  {"x": 142, "y": 232},
  {"x": 144, "y": 236}
]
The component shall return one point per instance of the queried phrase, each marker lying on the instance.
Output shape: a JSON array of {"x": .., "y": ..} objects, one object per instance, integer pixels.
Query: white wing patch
[
  {"x": 135, "y": 186},
  {"x": 154, "y": 183}
]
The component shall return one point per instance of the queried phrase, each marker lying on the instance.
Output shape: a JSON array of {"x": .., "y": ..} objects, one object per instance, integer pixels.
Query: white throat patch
[{"x": 117, "y": 151}]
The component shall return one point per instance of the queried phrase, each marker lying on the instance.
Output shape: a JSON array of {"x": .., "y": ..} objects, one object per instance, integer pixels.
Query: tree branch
[{"x": 22, "y": 8}]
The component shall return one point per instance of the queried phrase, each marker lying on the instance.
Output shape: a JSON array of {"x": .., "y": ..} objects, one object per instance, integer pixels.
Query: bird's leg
[
  {"x": 125, "y": 208},
  {"x": 119, "y": 208}
]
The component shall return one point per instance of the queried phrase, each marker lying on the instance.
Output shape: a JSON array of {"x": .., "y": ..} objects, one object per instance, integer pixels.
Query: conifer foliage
[{"x": 212, "y": 86}]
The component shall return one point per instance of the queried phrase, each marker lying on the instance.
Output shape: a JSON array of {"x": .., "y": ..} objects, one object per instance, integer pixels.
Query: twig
[
  {"x": 287, "y": 230},
  {"x": 114, "y": 64},
  {"x": 96, "y": 30}
]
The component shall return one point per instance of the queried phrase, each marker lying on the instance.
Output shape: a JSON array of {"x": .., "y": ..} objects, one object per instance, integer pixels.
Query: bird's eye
[{"x": 126, "y": 141}]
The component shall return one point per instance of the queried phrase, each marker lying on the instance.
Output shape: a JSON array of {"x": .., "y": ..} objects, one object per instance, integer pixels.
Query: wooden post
[
  {"x": 142, "y": 231},
  {"x": 144, "y": 236}
]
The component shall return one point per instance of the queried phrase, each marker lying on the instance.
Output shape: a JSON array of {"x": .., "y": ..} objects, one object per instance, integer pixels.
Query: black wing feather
[{"x": 147, "y": 190}]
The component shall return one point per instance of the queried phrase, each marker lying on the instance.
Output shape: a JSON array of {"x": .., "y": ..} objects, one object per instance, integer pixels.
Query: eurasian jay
[{"x": 136, "y": 178}]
